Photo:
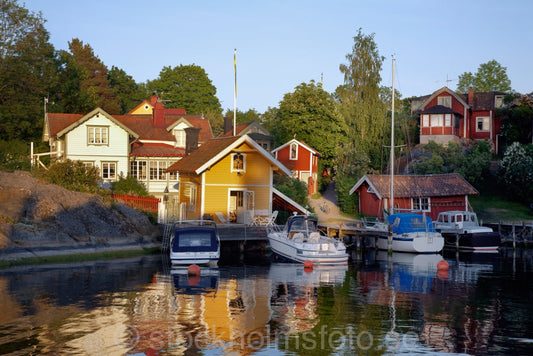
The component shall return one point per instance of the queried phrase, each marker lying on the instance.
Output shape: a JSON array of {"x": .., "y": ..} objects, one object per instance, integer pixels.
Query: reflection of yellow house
[{"x": 228, "y": 175}]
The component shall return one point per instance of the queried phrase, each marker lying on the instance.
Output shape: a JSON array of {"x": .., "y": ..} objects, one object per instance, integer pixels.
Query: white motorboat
[
  {"x": 461, "y": 230},
  {"x": 410, "y": 233},
  {"x": 194, "y": 242},
  {"x": 300, "y": 241}
]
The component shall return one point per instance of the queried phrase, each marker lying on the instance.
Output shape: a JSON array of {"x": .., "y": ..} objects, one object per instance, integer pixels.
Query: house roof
[
  {"x": 300, "y": 143},
  {"x": 440, "y": 109},
  {"x": 252, "y": 129},
  {"x": 139, "y": 126},
  {"x": 459, "y": 98},
  {"x": 406, "y": 186},
  {"x": 214, "y": 150},
  {"x": 480, "y": 101},
  {"x": 141, "y": 149}
]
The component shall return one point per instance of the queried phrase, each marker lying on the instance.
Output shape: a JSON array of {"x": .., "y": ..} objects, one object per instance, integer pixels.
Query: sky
[{"x": 282, "y": 43}]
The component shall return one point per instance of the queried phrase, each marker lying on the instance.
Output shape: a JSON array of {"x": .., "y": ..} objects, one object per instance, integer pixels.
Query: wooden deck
[{"x": 241, "y": 232}]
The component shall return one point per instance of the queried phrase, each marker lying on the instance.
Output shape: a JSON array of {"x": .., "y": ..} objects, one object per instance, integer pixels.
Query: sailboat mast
[{"x": 392, "y": 146}]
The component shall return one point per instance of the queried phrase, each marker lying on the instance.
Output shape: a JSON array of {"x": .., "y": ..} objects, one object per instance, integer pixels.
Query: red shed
[{"x": 432, "y": 194}]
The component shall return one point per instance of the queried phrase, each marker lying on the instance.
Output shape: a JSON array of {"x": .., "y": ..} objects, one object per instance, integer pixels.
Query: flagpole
[{"x": 235, "y": 93}]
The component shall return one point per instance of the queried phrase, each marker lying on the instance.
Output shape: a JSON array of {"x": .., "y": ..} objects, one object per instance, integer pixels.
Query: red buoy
[
  {"x": 308, "y": 266},
  {"x": 443, "y": 266},
  {"x": 193, "y": 270}
]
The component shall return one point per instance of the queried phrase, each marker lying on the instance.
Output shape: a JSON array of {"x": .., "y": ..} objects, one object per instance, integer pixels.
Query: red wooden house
[
  {"x": 431, "y": 194},
  {"x": 302, "y": 160},
  {"x": 446, "y": 116}
]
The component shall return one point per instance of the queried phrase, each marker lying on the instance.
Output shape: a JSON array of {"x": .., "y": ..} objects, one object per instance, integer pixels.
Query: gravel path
[{"x": 331, "y": 214}]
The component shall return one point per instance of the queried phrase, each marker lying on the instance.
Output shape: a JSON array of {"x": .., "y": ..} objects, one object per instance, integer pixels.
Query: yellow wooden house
[{"x": 228, "y": 179}]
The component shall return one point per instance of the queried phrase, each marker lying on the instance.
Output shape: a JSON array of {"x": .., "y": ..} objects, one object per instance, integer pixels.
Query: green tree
[
  {"x": 516, "y": 172},
  {"x": 129, "y": 93},
  {"x": 490, "y": 76},
  {"x": 244, "y": 116},
  {"x": 28, "y": 67},
  {"x": 517, "y": 119},
  {"x": 361, "y": 104},
  {"x": 187, "y": 87},
  {"x": 309, "y": 114}
]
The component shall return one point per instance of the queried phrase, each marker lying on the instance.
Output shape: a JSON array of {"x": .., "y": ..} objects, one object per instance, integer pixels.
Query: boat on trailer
[
  {"x": 194, "y": 242},
  {"x": 301, "y": 241},
  {"x": 461, "y": 230}
]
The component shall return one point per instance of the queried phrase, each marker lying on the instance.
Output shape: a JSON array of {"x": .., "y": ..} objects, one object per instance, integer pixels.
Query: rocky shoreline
[{"x": 38, "y": 219}]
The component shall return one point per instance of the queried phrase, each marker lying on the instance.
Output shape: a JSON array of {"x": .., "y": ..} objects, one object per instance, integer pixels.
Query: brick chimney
[
  {"x": 470, "y": 96},
  {"x": 158, "y": 116},
  {"x": 228, "y": 124},
  {"x": 191, "y": 139},
  {"x": 153, "y": 99}
]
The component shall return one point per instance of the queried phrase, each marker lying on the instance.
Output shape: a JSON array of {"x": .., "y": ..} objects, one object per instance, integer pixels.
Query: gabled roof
[
  {"x": 406, "y": 186},
  {"x": 459, "y": 98},
  {"x": 95, "y": 112},
  {"x": 249, "y": 128},
  {"x": 299, "y": 143},
  {"x": 214, "y": 150}
]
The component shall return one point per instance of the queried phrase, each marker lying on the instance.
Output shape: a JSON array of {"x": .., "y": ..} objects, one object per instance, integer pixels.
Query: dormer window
[
  {"x": 445, "y": 101},
  {"x": 180, "y": 138},
  {"x": 498, "y": 101},
  {"x": 238, "y": 162},
  {"x": 294, "y": 151}
]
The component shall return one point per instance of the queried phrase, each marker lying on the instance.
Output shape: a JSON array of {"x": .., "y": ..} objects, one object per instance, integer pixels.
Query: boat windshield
[
  {"x": 303, "y": 225},
  {"x": 195, "y": 240}
]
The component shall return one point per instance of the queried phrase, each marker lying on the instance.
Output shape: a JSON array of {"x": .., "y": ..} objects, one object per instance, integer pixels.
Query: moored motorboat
[
  {"x": 301, "y": 241},
  {"x": 194, "y": 242},
  {"x": 410, "y": 233},
  {"x": 461, "y": 230}
]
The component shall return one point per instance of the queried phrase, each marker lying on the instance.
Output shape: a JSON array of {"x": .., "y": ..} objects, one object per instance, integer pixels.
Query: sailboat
[{"x": 406, "y": 231}]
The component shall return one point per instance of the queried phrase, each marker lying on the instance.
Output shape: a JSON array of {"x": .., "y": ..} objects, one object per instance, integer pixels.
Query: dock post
[
  {"x": 457, "y": 242},
  {"x": 514, "y": 236}
]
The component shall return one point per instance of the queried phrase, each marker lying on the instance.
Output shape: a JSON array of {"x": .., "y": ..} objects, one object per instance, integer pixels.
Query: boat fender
[
  {"x": 193, "y": 270},
  {"x": 443, "y": 266},
  {"x": 308, "y": 266}
]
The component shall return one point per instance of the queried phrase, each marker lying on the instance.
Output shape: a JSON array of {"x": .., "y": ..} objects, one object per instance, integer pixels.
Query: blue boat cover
[
  {"x": 195, "y": 239},
  {"x": 410, "y": 222}
]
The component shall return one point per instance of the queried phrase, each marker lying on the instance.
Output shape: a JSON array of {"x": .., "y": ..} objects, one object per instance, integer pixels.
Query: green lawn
[{"x": 494, "y": 209}]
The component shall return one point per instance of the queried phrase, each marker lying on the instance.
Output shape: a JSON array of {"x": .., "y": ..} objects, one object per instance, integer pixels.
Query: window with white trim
[
  {"x": 293, "y": 151},
  {"x": 448, "y": 120},
  {"x": 180, "y": 138},
  {"x": 109, "y": 170},
  {"x": 445, "y": 101},
  {"x": 421, "y": 204},
  {"x": 437, "y": 120},
  {"x": 157, "y": 170},
  {"x": 238, "y": 162},
  {"x": 138, "y": 170},
  {"x": 425, "y": 120},
  {"x": 482, "y": 124},
  {"x": 97, "y": 135}
]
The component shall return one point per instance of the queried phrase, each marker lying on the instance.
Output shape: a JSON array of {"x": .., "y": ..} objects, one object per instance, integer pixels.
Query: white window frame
[
  {"x": 180, "y": 138},
  {"x": 97, "y": 135},
  {"x": 485, "y": 120},
  {"x": 445, "y": 101},
  {"x": 136, "y": 170},
  {"x": 437, "y": 120},
  {"x": 109, "y": 171},
  {"x": 448, "y": 120},
  {"x": 425, "y": 120},
  {"x": 421, "y": 204},
  {"x": 156, "y": 170},
  {"x": 293, "y": 151},
  {"x": 237, "y": 169}
]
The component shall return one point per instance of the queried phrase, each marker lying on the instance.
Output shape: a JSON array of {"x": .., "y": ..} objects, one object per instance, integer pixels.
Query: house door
[
  {"x": 250, "y": 206},
  {"x": 236, "y": 206}
]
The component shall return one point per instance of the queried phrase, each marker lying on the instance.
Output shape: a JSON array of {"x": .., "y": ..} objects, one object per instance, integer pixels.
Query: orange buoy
[
  {"x": 308, "y": 265},
  {"x": 193, "y": 270},
  {"x": 443, "y": 266}
]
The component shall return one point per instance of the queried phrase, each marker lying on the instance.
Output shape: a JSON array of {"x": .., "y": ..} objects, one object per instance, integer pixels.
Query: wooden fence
[{"x": 142, "y": 203}]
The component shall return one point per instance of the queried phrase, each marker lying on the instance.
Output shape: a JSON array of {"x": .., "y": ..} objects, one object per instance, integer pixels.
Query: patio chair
[{"x": 272, "y": 219}]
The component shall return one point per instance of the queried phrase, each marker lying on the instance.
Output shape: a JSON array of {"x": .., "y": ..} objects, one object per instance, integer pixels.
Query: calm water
[{"x": 376, "y": 305}]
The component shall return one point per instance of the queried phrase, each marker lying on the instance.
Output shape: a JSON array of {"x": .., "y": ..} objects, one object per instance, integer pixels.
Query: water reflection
[{"x": 380, "y": 305}]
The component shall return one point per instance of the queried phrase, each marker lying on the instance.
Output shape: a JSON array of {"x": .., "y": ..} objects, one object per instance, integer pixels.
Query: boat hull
[
  {"x": 476, "y": 241},
  {"x": 189, "y": 258},
  {"x": 416, "y": 242},
  {"x": 326, "y": 253}
]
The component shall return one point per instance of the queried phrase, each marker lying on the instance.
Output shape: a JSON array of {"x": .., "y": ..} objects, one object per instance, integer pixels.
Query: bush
[
  {"x": 129, "y": 185},
  {"x": 516, "y": 172},
  {"x": 293, "y": 188},
  {"x": 14, "y": 155},
  {"x": 72, "y": 175}
]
